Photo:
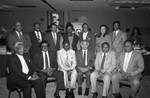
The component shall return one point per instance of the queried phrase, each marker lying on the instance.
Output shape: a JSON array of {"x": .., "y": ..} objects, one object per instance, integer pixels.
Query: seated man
[
  {"x": 130, "y": 64},
  {"x": 20, "y": 74},
  {"x": 45, "y": 65},
  {"x": 105, "y": 63},
  {"x": 85, "y": 63},
  {"x": 67, "y": 63}
]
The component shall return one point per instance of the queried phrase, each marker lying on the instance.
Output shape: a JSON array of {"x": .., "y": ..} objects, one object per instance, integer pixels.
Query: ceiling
[{"x": 71, "y": 5}]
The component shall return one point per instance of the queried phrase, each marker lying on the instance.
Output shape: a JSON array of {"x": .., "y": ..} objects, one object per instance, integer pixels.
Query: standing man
[
  {"x": 118, "y": 38},
  {"x": 105, "y": 63},
  {"x": 45, "y": 65},
  {"x": 130, "y": 64},
  {"x": 36, "y": 37},
  {"x": 67, "y": 63},
  {"x": 85, "y": 63},
  {"x": 20, "y": 74},
  {"x": 53, "y": 39},
  {"x": 18, "y": 36},
  {"x": 87, "y": 35}
]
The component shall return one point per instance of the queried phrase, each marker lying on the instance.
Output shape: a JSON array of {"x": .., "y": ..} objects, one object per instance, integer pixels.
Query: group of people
[{"x": 37, "y": 56}]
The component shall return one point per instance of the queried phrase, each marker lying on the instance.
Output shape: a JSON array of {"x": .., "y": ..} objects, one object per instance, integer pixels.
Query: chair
[
  {"x": 13, "y": 89},
  {"x": 18, "y": 90}
]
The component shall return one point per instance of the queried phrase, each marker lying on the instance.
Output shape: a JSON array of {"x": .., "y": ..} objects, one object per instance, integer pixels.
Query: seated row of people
[{"x": 71, "y": 67}]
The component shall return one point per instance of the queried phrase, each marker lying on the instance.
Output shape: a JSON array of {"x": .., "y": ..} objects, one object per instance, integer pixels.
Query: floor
[{"x": 144, "y": 91}]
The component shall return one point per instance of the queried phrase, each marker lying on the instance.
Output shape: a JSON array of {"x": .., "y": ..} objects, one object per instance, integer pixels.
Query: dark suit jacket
[
  {"x": 80, "y": 61},
  {"x": 75, "y": 40},
  {"x": 13, "y": 38},
  {"x": 91, "y": 38},
  {"x": 15, "y": 70},
  {"x": 38, "y": 62},
  {"x": 49, "y": 38},
  {"x": 35, "y": 44}
]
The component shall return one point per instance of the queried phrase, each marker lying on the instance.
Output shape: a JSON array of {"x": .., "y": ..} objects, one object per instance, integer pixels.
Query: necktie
[
  {"x": 54, "y": 36},
  {"x": 84, "y": 57},
  {"x": 20, "y": 36},
  {"x": 114, "y": 35},
  {"x": 38, "y": 36},
  {"x": 103, "y": 60},
  {"x": 46, "y": 60},
  {"x": 126, "y": 61},
  {"x": 67, "y": 60}
]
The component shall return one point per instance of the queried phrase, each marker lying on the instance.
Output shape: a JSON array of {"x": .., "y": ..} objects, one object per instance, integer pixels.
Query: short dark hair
[
  {"x": 53, "y": 24},
  {"x": 106, "y": 43},
  {"x": 85, "y": 24},
  {"x": 36, "y": 23},
  {"x": 42, "y": 42},
  {"x": 128, "y": 41},
  {"x": 116, "y": 22},
  {"x": 65, "y": 41}
]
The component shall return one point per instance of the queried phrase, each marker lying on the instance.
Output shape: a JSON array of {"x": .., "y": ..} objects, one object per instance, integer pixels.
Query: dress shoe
[
  {"x": 118, "y": 95},
  {"x": 95, "y": 95},
  {"x": 86, "y": 92},
  {"x": 104, "y": 97},
  {"x": 80, "y": 91},
  {"x": 56, "y": 95},
  {"x": 131, "y": 96}
]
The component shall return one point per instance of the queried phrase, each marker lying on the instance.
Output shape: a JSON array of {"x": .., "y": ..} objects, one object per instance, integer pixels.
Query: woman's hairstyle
[{"x": 100, "y": 34}]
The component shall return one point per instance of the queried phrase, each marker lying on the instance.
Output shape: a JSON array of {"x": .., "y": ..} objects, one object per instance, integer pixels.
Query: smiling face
[
  {"x": 85, "y": 28},
  {"x": 84, "y": 45},
  {"x": 37, "y": 27},
  {"x": 54, "y": 28},
  {"x": 103, "y": 29},
  {"x": 105, "y": 47},
  {"x": 116, "y": 26},
  {"x": 44, "y": 47},
  {"x": 18, "y": 26},
  {"x": 128, "y": 47},
  {"x": 66, "y": 46}
]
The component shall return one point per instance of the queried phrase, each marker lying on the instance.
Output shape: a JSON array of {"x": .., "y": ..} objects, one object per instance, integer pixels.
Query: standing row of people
[{"x": 58, "y": 56}]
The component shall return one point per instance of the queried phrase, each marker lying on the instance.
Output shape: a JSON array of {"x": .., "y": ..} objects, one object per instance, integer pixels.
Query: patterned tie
[
  {"x": 38, "y": 37},
  {"x": 103, "y": 60},
  {"x": 20, "y": 36},
  {"x": 46, "y": 60}
]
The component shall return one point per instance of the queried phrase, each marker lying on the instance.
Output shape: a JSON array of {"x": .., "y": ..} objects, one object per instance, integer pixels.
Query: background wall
[{"x": 128, "y": 19}]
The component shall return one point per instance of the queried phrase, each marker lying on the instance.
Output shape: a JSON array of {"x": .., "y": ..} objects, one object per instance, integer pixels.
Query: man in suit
[
  {"x": 85, "y": 63},
  {"x": 67, "y": 63},
  {"x": 45, "y": 65},
  {"x": 105, "y": 63},
  {"x": 130, "y": 64},
  {"x": 18, "y": 36},
  {"x": 87, "y": 35},
  {"x": 118, "y": 37},
  {"x": 53, "y": 39},
  {"x": 20, "y": 74},
  {"x": 36, "y": 36}
]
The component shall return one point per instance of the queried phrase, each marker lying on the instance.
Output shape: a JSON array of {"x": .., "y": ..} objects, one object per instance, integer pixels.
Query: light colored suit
[
  {"x": 135, "y": 67},
  {"x": 109, "y": 66},
  {"x": 61, "y": 59},
  {"x": 117, "y": 43}
]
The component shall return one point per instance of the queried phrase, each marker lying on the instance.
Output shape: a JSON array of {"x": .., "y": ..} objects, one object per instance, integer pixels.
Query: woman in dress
[{"x": 102, "y": 37}]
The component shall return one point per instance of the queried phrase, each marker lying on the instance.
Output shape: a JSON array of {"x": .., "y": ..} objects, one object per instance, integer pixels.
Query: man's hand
[{"x": 35, "y": 76}]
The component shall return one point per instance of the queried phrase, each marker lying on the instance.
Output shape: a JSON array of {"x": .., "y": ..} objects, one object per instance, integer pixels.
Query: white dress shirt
[
  {"x": 85, "y": 56},
  {"x": 43, "y": 53},
  {"x": 85, "y": 35},
  {"x": 126, "y": 60},
  {"x": 24, "y": 65},
  {"x": 38, "y": 35}
]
